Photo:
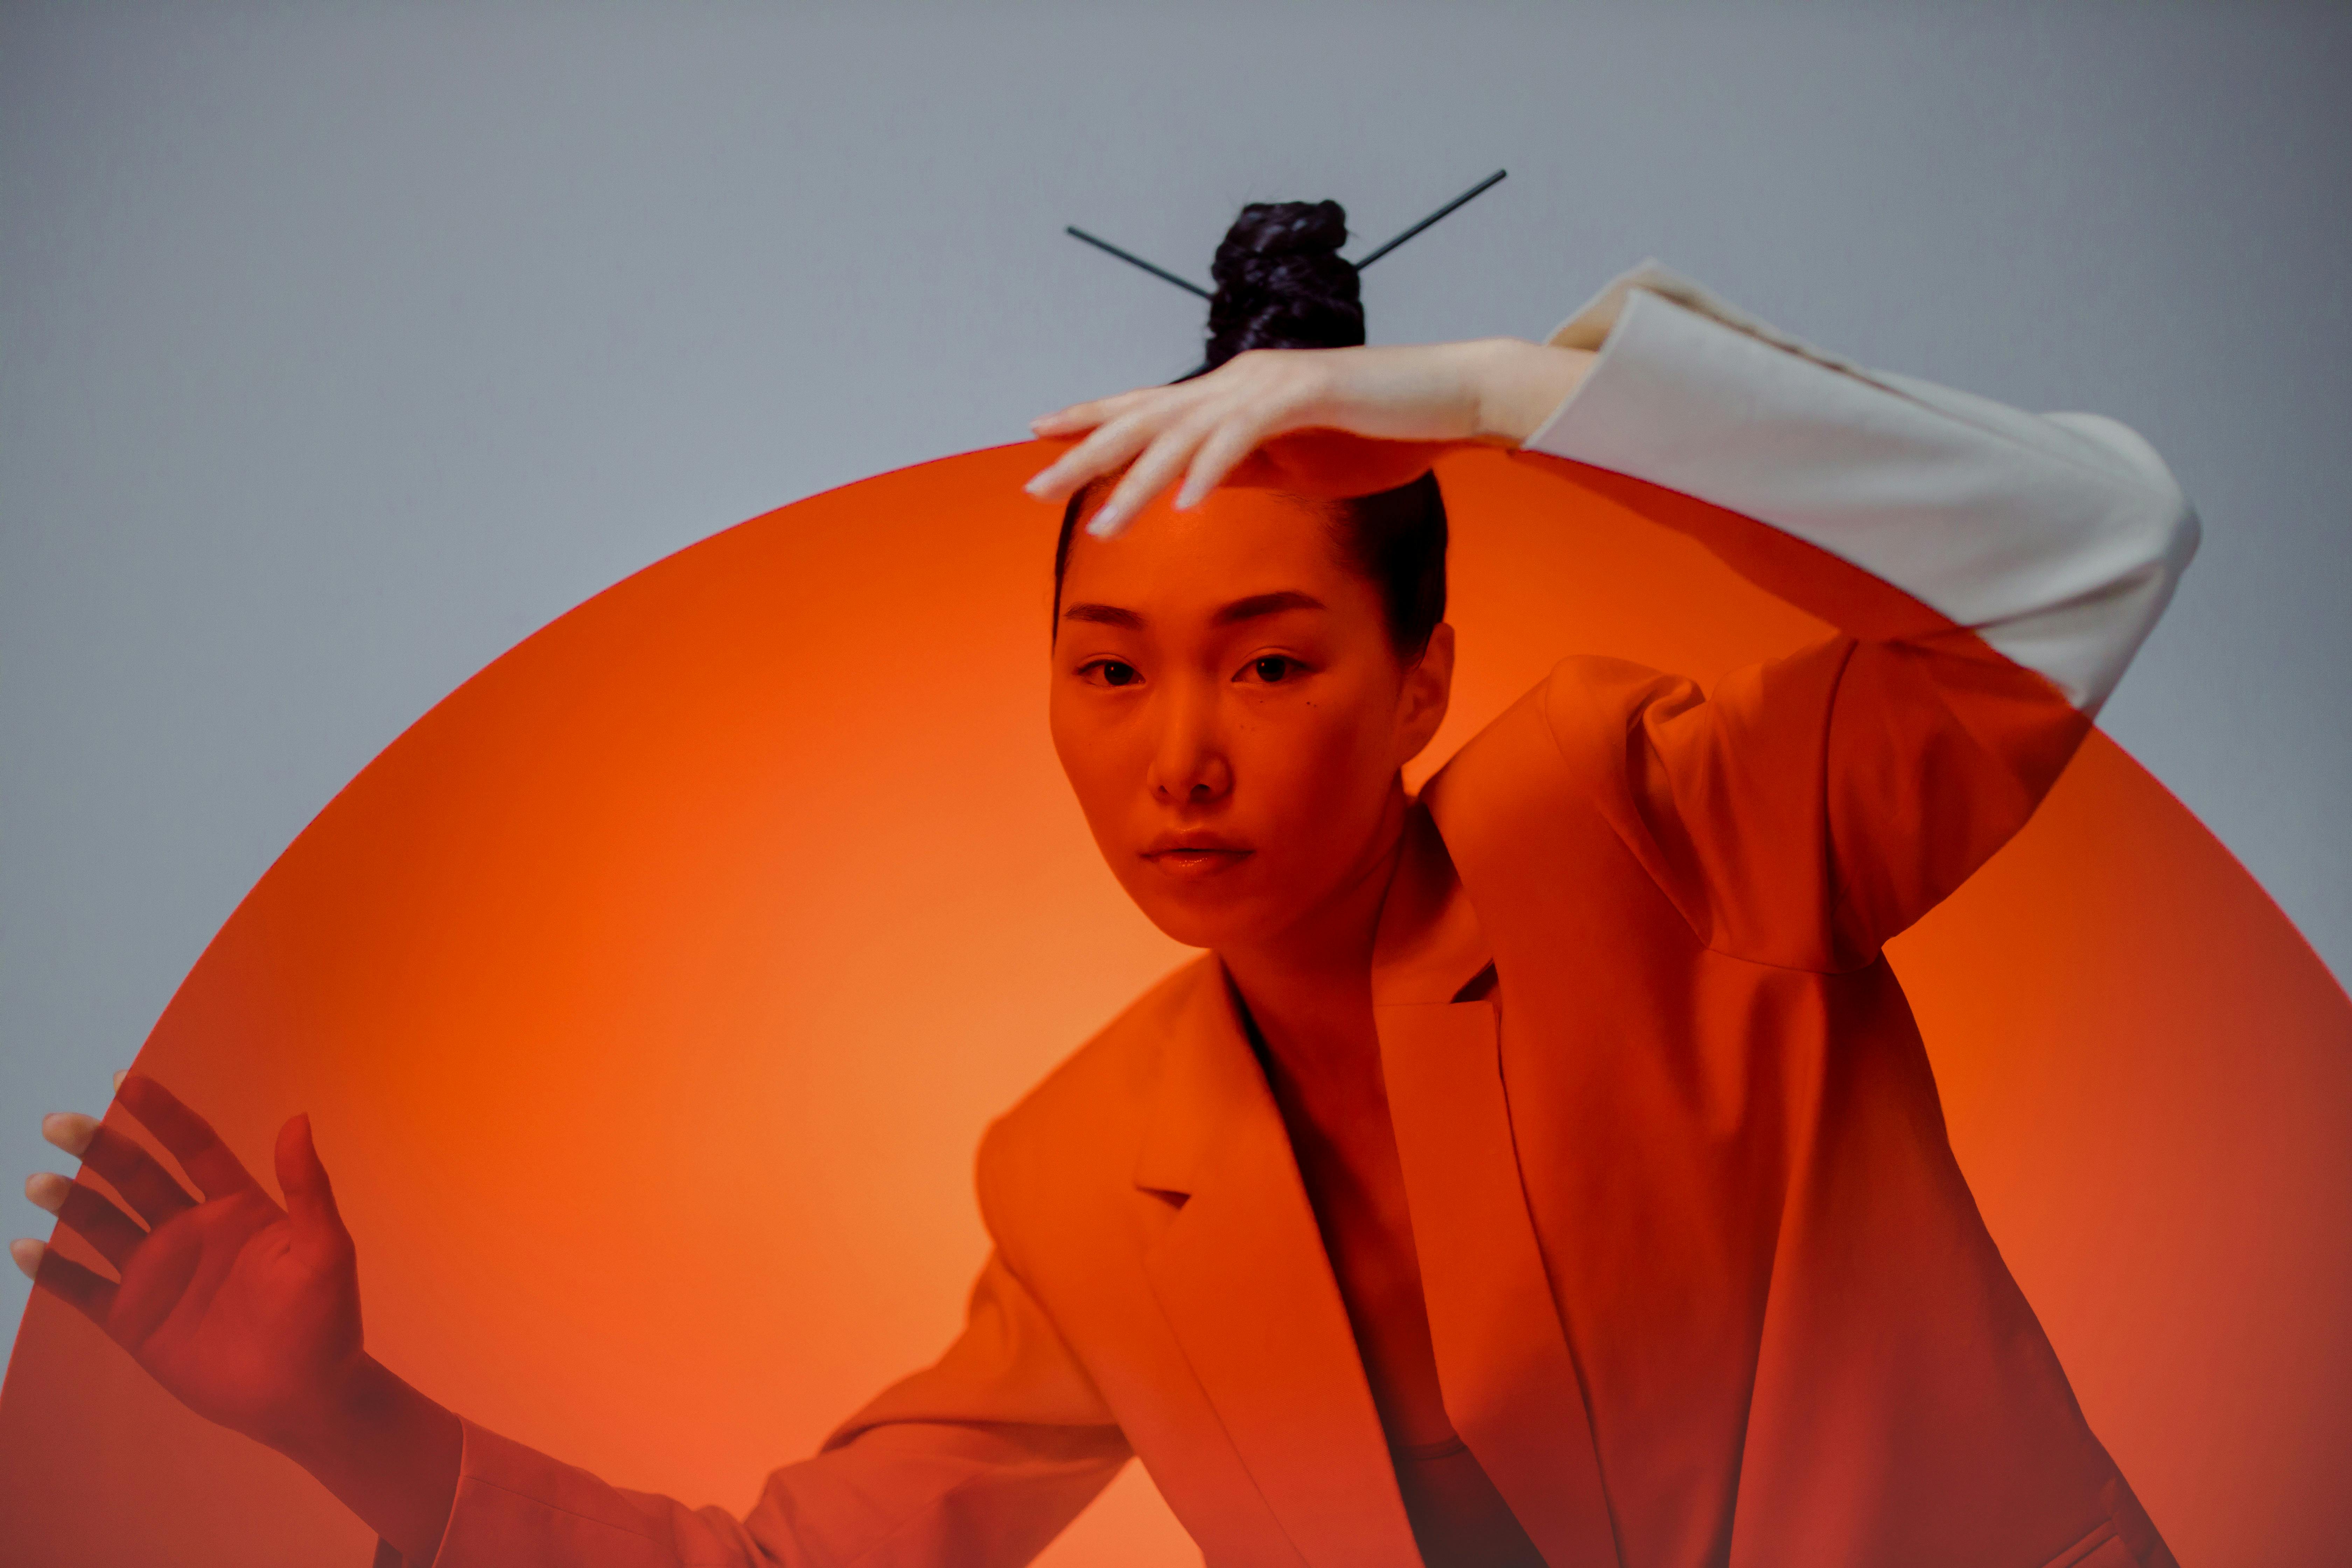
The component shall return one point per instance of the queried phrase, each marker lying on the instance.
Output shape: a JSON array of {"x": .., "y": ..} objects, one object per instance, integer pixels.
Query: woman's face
[{"x": 1230, "y": 712}]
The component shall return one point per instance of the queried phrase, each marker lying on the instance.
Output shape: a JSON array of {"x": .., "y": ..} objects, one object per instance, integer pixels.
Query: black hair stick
[
  {"x": 1479, "y": 189},
  {"x": 1077, "y": 233}
]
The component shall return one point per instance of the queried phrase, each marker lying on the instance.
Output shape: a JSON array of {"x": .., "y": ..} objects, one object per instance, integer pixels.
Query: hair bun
[{"x": 1281, "y": 283}]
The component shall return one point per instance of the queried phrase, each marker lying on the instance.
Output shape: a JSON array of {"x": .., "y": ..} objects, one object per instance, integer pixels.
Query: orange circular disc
[{"x": 651, "y": 993}]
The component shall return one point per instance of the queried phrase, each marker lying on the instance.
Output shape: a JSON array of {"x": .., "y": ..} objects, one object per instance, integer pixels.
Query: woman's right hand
[
  {"x": 1202, "y": 430},
  {"x": 247, "y": 1312}
]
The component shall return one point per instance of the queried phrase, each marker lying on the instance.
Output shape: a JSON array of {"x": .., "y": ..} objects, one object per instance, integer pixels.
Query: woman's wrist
[
  {"x": 389, "y": 1453},
  {"x": 1519, "y": 386}
]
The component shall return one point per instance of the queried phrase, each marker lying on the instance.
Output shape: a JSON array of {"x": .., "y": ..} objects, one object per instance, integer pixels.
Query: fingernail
[
  {"x": 46, "y": 1190},
  {"x": 27, "y": 1254},
  {"x": 120, "y": 1074},
  {"x": 70, "y": 1131},
  {"x": 1106, "y": 524}
]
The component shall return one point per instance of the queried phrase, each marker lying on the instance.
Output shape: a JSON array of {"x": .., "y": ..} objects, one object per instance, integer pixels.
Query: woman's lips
[{"x": 1194, "y": 859}]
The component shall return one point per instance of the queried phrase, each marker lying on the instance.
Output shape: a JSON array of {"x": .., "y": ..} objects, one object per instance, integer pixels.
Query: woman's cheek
[
  {"x": 1323, "y": 768},
  {"x": 1093, "y": 761}
]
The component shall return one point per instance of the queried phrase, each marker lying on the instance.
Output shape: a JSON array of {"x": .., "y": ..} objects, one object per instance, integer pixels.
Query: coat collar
[
  {"x": 1430, "y": 947},
  {"x": 1212, "y": 1092},
  {"x": 1241, "y": 1275},
  {"x": 1504, "y": 1365}
]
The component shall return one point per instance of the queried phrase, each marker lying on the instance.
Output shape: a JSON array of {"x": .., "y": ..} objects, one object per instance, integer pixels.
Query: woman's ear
[{"x": 1428, "y": 687}]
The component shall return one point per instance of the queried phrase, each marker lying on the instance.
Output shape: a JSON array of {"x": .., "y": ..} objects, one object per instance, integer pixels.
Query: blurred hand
[
  {"x": 248, "y": 1312},
  {"x": 1497, "y": 390}
]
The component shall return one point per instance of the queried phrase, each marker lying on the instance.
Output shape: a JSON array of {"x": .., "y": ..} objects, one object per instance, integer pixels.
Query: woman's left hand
[{"x": 1495, "y": 390}]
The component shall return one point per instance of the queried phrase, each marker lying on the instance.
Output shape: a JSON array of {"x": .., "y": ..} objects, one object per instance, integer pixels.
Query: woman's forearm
[{"x": 1519, "y": 385}]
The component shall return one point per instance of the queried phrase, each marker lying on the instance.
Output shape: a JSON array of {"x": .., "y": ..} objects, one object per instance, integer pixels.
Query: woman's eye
[
  {"x": 1275, "y": 667},
  {"x": 1113, "y": 672}
]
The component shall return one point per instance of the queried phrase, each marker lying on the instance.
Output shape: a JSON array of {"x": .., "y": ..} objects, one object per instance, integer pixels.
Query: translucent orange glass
[{"x": 651, "y": 993}]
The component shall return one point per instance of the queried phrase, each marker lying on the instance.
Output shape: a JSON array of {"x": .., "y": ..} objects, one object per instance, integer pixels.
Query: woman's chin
[{"x": 1202, "y": 914}]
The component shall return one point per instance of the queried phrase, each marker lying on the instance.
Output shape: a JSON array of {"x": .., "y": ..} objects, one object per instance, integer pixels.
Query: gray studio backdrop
[{"x": 341, "y": 347}]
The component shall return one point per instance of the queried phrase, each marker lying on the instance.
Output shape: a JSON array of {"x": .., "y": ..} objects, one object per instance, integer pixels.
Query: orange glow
[{"x": 649, "y": 997}]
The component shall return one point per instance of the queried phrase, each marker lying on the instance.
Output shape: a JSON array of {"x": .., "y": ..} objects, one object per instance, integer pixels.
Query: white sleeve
[{"x": 2057, "y": 538}]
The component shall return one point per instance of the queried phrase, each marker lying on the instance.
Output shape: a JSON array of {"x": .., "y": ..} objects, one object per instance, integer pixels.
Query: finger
[
  {"x": 1221, "y": 453},
  {"x": 1110, "y": 447},
  {"x": 88, "y": 1292},
  {"x": 145, "y": 1186},
  {"x": 68, "y": 1130},
  {"x": 46, "y": 1190},
  {"x": 320, "y": 1235},
  {"x": 1152, "y": 472},
  {"x": 88, "y": 1214},
  {"x": 1071, "y": 421},
  {"x": 1104, "y": 451},
  {"x": 1085, "y": 415},
  {"x": 215, "y": 1170}
]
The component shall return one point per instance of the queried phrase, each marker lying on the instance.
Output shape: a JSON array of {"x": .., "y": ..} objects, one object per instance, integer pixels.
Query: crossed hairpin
[
  {"x": 1189, "y": 286},
  {"x": 1185, "y": 283}
]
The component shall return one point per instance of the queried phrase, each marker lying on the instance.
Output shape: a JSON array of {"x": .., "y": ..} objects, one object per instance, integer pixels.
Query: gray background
[{"x": 341, "y": 348}]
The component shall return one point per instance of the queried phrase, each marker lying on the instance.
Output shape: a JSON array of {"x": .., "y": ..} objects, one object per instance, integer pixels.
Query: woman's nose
[{"x": 1189, "y": 765}]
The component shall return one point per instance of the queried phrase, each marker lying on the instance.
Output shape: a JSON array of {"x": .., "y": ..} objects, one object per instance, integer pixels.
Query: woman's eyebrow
[
  {"x": 1105, "y": 614},
  {"x": 1249, "y": 609},
  {"x": 1258, "y": 604}
]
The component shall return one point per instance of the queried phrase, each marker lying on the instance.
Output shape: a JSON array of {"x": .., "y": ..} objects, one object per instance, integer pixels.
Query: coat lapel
[
  {"x": 1504, "y": 1364},
  {"x": 1243, "y": 1278}
]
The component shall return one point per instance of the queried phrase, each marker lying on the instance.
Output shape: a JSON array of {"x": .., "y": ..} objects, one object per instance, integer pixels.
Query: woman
[{"x": 1544, "y": 1170}]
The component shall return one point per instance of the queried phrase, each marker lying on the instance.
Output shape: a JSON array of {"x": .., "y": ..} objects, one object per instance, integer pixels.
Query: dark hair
[{"x": 1282, "y": 284}]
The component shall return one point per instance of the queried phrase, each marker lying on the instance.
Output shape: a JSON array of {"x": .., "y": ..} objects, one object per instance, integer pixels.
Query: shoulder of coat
[{"x": 1090, "y": 1107}]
